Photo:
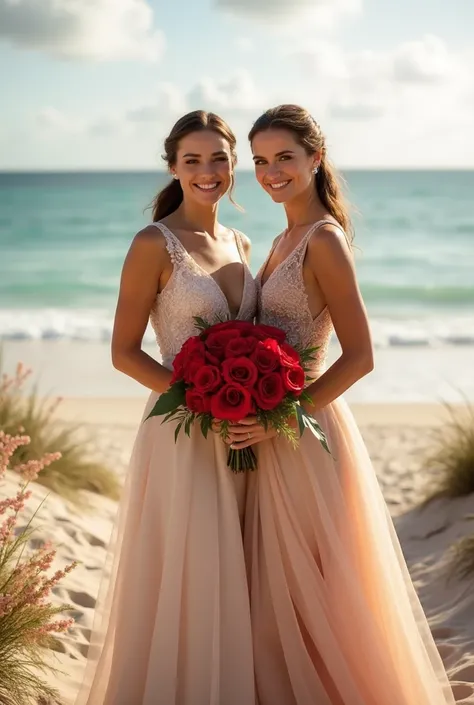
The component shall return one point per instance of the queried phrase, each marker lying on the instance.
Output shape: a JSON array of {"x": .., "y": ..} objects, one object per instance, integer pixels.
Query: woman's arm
[
  {"x": 330, "y": 260},
  {"x": 142, "y": 270}
]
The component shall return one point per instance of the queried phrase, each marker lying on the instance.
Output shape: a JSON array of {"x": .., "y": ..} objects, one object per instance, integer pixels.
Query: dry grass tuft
[
  {"x": 452, "y": 462},
  {"x": 26, "y": 413}
]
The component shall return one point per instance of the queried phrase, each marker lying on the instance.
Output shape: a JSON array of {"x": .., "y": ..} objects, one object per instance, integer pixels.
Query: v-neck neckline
[
  {"x": 304, "y": 239},
  {"x": 280, "y": 264},
  {"x": 207, "y": 274}
]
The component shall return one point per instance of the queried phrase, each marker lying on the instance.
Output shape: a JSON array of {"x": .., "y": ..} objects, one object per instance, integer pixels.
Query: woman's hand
[
  {"x": 245, "y": 433},
  {"x": 248, "y": 432}
]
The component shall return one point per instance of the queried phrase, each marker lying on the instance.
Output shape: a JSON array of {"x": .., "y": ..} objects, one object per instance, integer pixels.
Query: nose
[
  {"x": 273, "y": 171},
  {"x": 207, "y": 169}
]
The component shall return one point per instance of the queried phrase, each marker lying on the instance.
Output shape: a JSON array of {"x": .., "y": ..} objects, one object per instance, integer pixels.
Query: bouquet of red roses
[{"x": 232, "y": 370}]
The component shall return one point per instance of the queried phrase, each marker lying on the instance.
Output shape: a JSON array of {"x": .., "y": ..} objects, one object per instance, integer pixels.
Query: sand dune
[{"x": 397, "y": 437}]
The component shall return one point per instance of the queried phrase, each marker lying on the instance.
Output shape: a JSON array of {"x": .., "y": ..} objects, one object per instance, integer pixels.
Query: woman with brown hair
[
  {"x": 335, "y": 617},
  {"x": 173, "y": 624}
]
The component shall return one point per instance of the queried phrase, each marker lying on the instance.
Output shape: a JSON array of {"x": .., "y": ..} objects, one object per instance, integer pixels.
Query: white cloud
[
  {"x": 171, "y": 101},
  {"x": 372, "y": 115},
  {"x": 356, "y": 109},
  {"x": 243, "y": 44},
  {"x": 109, "y": 126},
  {"x": 288, "y": 14},
  {"x": 235, "y": 98},
  {"x": 237, "y": 93},
  {"x": 369, "y": 84},
  {"x": 100, "y": 30},
  {"x": 55, "y": 121},
  {"x": 424, "y": 61},
  {"x": 55, "y": 124},
  {"x": 321, "y": 59}
]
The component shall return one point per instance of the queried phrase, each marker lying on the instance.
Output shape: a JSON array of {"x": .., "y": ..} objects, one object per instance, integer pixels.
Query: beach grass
[
  {"x": 77, "y": 470},
  {"x": 451, "y": 461}
]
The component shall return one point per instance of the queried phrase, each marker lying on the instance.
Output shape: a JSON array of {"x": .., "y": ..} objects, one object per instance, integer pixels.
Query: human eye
[
  {"x": 191, "y": 161},
  {"x": 285, "y": 157},
  {"x": 259, "y": 162}
]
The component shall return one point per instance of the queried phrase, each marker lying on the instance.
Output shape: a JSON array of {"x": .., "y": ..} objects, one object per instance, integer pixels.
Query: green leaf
[
  {"x": 171, "y": 414},
  {"x": 304, "y": 396},
  {"x": 170, "y": 400},
  {"x": 307, "y": 355},
  {"x": 311, "y": 423},
  {"x": 200, "y": 323},
  {"x": 206, "y": 424},
  {"x": 300, "y": 418},
  {"x": 188, "y": 423},
  {"x": 177, "y": 430}
]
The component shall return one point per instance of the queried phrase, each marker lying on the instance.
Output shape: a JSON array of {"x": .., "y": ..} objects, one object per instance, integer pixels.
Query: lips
[
  {"x": 279, "y": 185},
  {"x": 208, "y": 188}
]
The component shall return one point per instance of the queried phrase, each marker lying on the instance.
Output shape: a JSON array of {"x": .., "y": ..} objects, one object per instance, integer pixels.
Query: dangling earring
[
  {"x": 175, "y": 176},
  {"x": 316, "y": 169}
]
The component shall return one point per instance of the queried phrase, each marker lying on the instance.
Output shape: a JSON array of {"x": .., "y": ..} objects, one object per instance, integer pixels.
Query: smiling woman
[
  {"x": 289, "y": 161},
  {"x": 185, "y": 161},
  {"x": 174, "y": 616}
]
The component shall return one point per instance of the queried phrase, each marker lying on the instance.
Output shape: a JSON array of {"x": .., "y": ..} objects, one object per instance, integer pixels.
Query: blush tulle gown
[
  {"x": 173, "y": 617},
  {"x": 335, "y": 617}
]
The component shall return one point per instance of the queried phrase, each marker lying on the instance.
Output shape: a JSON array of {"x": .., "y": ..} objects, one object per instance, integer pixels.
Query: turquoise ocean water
[{"x": 63, "y": 238}]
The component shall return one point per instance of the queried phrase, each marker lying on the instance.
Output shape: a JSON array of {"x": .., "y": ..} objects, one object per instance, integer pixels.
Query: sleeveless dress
[
  {"x": 173, "y": 617},
  {"x": 335, "y": 617}
]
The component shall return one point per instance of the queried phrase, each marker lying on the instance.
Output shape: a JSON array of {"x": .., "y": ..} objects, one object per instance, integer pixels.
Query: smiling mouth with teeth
[
  {"x": 281, "y": 184},
  {"x": 208, "y": 187}
]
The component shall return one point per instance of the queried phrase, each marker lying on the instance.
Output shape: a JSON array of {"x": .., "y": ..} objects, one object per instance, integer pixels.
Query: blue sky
[{"x": 92, "y": 84}]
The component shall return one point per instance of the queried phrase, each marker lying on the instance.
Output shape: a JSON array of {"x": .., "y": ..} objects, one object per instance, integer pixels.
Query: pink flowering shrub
[{"x": 27, "y": 619}]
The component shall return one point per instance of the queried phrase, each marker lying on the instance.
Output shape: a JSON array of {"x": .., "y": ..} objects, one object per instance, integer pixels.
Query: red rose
[
  {"x": 269, "y": 391},
  {"x": 192, "y": 347},
  {"x": 288, "y": 356},
  {"x": 207, "y": 379},
  {"x": 197, "y": 402},
  {"x": 264, "y": 331},
  {"x": 193, "y": 365},
  {"x": 240, "y": 370},
  {"x": 241, "y": 326},
  {"x": 231, "y": 403},
  {"x": 212, "y": 359},
  {"x": 178, "y": 367},
  {"x": 266, "y": 355},
  {"x": 293, "y": 379},
  {"x": 216, "y": 343},
  {"x": 238, "y": 347}
]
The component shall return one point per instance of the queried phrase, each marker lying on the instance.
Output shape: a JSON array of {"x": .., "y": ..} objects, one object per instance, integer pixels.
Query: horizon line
[{"x": 126, "y": 170}]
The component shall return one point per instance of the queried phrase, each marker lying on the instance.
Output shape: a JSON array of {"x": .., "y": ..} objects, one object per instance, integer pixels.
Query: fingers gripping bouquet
[{"x": 235, "y": 369}]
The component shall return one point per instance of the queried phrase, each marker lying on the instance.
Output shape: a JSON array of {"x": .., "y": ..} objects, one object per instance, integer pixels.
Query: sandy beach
[{"x": 398, "y": 437}]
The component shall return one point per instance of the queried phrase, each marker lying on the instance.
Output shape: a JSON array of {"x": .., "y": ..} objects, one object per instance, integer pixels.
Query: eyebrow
[
  {"x": 214, "y": 154},
  {"x": 278, "y": 154}
]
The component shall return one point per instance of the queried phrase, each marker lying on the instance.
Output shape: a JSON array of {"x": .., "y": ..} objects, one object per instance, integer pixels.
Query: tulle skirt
[
  {"x": 172, "y": 623},
  {"x": 335, "y": 617},
  {"x": 286, "y": 586}
]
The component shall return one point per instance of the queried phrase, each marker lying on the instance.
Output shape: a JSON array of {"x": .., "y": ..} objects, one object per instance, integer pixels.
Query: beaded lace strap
[
  {"x": 239, "y": 238},
  {"x": 173, "y": 245},
  {"x": 304, "y": 243}
]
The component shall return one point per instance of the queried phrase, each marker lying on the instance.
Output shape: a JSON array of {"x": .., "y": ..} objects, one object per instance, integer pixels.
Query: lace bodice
[
  {"x": 189, "y": 292},
  {"x": 283, "y": 302}
]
